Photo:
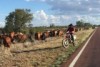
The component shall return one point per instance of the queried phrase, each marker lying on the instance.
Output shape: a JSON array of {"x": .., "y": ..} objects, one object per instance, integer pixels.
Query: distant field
[
  {"x": 43, "y": 54},
  {"x": 40, "y": 29}
]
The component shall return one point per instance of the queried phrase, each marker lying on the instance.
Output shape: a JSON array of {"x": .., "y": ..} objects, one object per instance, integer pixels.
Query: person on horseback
[{"x": 70, "y": 30}]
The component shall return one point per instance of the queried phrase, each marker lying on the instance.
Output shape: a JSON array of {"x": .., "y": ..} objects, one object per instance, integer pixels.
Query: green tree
[
  {"x": 52, "y": 25},
  {"x": 87, "y": 25},
  {"x": 80, "y": 23},
  {"x": 18, "y": 20},
  {"x": 9, "y": 22},
  {"x": 31, "y": 29}
]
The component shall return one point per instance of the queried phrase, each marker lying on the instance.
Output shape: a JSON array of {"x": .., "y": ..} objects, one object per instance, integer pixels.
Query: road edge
[{"x": 80, "y": 52}]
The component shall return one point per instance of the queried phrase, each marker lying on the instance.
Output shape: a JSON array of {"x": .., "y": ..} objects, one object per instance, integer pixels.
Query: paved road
[{"x": 90, "y": 57}]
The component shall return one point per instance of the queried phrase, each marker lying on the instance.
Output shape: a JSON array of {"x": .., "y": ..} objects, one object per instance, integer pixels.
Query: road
[{"x": 90, "y": 56}]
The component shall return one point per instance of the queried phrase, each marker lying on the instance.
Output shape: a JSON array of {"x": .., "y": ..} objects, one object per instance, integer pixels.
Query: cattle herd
[{"x": 7, "y": 39}]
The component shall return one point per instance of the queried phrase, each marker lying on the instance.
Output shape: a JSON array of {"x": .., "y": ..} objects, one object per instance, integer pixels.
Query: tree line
[{"x": 84, "y": 24}]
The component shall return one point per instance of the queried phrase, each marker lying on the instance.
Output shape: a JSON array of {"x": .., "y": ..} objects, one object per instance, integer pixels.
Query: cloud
[
  {"x": 68, "y": 11},
  {"x": 71, "y": 7},
  {"x": 40, "y": 18},
  {"x": 43, "y": 19},
  {"x": 75, "y": 6}
]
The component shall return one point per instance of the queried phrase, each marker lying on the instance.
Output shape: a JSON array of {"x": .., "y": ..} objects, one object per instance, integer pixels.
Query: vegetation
[
  {"x": 63, "y": 57},
  {"x": 80, "y": 23},
  {"x": 83, "y": 24},
  {"x": 46, "y": 54},
  {"x": 18, "y": 20},
  {"x": 52, "y": 25}
]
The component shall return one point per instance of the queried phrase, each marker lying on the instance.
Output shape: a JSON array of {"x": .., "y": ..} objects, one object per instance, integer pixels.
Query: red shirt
[{"x": 70, "y": 29}]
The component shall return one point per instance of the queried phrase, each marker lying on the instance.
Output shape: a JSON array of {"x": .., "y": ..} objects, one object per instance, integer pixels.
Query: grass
[
  {"x": 50, "y": 55},
  {"x": 63, "y": 58}
]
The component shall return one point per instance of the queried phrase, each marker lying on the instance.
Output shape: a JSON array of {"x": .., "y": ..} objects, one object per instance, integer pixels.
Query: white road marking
[{"x": 78, "y": 55}]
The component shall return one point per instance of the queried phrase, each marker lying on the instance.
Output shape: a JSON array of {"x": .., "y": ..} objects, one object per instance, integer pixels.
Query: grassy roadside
[
  {"x": 82, "y": 36},
  {"x": 43, "y": 58}
]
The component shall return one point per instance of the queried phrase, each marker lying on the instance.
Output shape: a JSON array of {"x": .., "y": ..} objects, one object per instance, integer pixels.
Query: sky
[{"x": 58, "y": 12}]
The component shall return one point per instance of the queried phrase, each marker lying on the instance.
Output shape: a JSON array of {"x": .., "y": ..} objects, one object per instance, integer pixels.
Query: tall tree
[
  {"x": 18, "y": 20},
  {"x": 9, "y": 22},
  {"x": 80, "y": 23}
]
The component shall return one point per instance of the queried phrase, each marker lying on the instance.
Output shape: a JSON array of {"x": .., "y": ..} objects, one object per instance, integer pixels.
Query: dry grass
[{"x": 37, "y": 55}]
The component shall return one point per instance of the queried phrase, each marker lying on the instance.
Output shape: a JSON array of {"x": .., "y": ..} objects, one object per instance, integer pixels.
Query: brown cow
[
  {"x": 7, "y": 41},
  {"x": 76, "y": 29},
  {"x": 52, "y": 33},
  {"x": 47, "y": 34},
  {"x": 21, "y": 37},
  {"x": 12, "y": 35},
  {"x": 60, "y": 33},
  {"x": 38, "y": 35},
  {"x": 55, "y": 32}
]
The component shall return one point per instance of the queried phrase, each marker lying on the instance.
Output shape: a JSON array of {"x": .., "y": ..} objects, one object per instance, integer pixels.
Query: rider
[{"x": 70, "y": 30}]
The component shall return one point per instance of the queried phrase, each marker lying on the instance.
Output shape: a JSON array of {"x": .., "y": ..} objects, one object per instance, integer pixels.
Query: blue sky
[{"x": 59, "y": 12}]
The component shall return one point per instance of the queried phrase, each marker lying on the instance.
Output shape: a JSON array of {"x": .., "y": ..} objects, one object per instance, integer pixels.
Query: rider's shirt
[{"x": 70, "y": 30}]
